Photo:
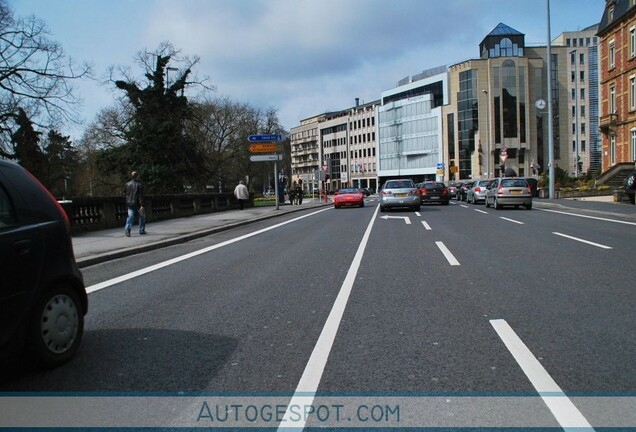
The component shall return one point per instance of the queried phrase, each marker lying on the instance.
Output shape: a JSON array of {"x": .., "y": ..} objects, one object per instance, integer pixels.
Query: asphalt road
[{"x": 354, "y": 301}]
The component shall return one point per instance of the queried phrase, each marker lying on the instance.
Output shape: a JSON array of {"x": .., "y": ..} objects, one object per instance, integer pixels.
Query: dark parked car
[
  {"x": 433, "y": 192},
  {"x": 462, "y": 191},
  {"x": 453, "y": 189},
  {"x": 630, "y": 186},
  {"x": 42, "y": 295}
]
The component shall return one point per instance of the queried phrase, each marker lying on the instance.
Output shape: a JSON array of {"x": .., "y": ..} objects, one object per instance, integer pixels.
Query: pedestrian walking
[
  {"x": 134, "y": 195},
  {"x": 299, "y": 192},
  {"x": 293, "y": 198},
  {"x": 242, "y": 194}
]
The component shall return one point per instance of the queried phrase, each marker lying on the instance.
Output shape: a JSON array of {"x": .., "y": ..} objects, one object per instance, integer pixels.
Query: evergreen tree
[{"x": 26, "y": 146}]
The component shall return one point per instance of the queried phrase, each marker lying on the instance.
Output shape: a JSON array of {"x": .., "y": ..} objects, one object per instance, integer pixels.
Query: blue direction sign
[{"x": 264, "y": 138}]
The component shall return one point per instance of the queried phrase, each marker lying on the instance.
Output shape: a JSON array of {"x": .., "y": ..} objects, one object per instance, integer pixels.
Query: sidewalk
[
  {"x": 94, "y": 247},
  {"x": 99, "y": 246}
]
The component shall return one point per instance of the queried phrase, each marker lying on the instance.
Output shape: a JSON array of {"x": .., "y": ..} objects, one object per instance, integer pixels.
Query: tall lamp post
[
  {"x": 488, "y": 140},
  {"x": 550, "y": 119}
]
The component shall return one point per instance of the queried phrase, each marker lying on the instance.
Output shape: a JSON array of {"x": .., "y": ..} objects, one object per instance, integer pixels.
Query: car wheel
[
  {"x": 416, "y": 208},
  {"x": 56, "y": 327},
  {"x": 382, "y": 209},
  {"x": 529, "y": 206},
  {"x": 446, "y": 202},
  {"x": 496, "y": 204},
  {"x": 362, "y": 204},
  {"x": 486, "y": 203}
]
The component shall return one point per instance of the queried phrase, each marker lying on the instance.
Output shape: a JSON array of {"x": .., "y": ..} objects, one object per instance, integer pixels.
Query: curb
[{"x": 121, "y": 253}]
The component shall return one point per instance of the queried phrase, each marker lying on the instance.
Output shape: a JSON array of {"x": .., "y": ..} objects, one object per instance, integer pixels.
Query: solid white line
[
  {"x": 463, "y": 205},
  {"x": 583, "y": 241},
  {"x": 449, "y": 256},
  {"x": 308, "y": 384},
  {"x": 163, "y": 264},
  {"x": 418, "y": 214},
  {"x": 481, "y": 211},
  {"x": 589, "y": 217},
  {"x": 427, "y": 226},
  {"x": 559, "y": 404},
  {"x": 511, "y": 220}
]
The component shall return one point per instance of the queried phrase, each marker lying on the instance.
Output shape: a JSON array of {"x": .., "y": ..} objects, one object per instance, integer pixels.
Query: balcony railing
[{"x": 608, "y": 121}]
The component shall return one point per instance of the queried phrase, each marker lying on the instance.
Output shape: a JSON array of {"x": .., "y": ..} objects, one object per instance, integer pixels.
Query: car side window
[{"x": 7, "y": 212}]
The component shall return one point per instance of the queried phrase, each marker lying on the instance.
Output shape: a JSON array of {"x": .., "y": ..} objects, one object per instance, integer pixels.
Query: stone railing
[{"x": 96, "y": 213}]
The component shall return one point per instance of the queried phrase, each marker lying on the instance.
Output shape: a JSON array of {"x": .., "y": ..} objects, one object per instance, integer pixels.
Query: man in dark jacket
[{"x": 134, "y": 195}]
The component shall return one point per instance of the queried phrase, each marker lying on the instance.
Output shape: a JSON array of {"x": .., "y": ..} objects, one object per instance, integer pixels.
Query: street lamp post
[
  {"x": 550, "y": 119},
  {"x": 488, "y": 140}
]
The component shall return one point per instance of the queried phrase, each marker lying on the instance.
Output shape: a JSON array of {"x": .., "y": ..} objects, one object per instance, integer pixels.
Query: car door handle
[{"x": 22, "y": 247}]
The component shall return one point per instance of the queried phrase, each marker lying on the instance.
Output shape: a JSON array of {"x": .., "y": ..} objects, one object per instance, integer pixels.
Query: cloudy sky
[{"x": 301, "y": 57}]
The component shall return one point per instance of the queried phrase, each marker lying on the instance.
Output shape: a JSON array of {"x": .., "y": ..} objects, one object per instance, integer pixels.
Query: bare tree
[{"x": 35, "y": 75}]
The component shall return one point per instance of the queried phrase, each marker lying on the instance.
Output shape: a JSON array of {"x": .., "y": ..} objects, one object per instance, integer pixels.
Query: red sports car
[{"x": 348, "y": 198}]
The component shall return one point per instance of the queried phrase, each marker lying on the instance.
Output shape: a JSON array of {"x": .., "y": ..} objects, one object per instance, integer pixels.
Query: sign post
[{"x": 267, "y": 144}]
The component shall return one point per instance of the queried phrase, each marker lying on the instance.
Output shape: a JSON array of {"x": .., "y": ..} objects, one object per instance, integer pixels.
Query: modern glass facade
[{"x": 467, "y": 122}]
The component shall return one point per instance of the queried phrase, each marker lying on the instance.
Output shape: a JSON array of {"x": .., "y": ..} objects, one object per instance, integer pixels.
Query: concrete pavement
[
  {"x": 99, "y": 246},
  {"x": 94, "y": 247}
]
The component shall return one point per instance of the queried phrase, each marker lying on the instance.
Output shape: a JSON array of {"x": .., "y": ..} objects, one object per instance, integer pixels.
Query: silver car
[
  {"x": 509, "y": 191},
  {"x": 399, "y": 193},
  {"x": 477, "y": 192}
]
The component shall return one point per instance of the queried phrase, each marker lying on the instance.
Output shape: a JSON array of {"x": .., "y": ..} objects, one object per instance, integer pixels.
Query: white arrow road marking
[
  {"x": 449, "y": 256},
  {"x": 427, "y": 226},
  {"x": 406, "y": 219},
  {"x": 511, "y": 220},
  {"x": 583, "y": 241},
  {"x": 560, "y": 405}
]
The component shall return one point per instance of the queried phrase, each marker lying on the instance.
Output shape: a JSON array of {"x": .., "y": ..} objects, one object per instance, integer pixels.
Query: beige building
[
  {"x": 339, "y": 144},
  {"x": 497, "y": 115}
]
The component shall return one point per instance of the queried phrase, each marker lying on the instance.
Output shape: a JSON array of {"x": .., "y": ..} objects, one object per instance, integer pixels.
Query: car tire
[
  {"x": 362, "y": 204},
  {"x": 382, "y": 210},
  {"x": 529, "y": 206},
  {"x": 56, "y": 327},
  {"x": 496, "y": 204},
  {"x": 486, "y": 203},
  {"x": 630, "y": 182}
]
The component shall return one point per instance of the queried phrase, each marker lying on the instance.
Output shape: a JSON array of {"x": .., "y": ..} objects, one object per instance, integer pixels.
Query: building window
[
  {"x": 632, "y": 93},
  {"x": 612, "y": 55},
  {"x": 582, "y": 94},
  {"x": 612, "y": 149},
  {"x": 582, "y": 110},
  {"x": 583, "y": 145},
  {"x": 582, "y": 76},
  {"x": 633, "y": 143},
  {"x": 583, "y": 128},
  {"x": 632, "y": 42},
  {"x": 573, "y": 94},
  {"x": 582, "y": 58},
  {"x": 612, "y": 99}
]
